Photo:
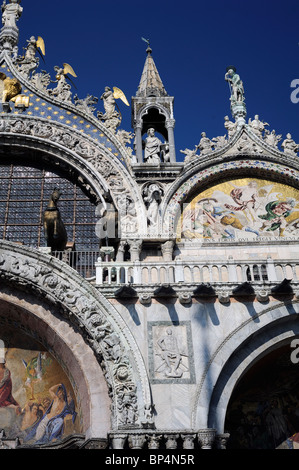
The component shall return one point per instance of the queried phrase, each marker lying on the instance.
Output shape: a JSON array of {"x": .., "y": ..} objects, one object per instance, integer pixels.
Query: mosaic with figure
[
  {"x": 244, "y": 208},
  {"x": 37, "y": 402}
]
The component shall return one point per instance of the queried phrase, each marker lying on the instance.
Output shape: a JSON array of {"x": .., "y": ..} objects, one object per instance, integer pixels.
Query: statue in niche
[
  {"x": 152, "y": 148},
  {"x": 289, "y": 146},
  {"x": 152, "y": 197},
  {"x": 54, "y": 229},
  {"x": 11, "y": 12},
  {"x": 236, "y": 85},
  {"x": 127, "y": 211}
]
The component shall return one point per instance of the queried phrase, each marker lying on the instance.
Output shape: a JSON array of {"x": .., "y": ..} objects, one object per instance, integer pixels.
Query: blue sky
[{"x": 192, "y": 41}]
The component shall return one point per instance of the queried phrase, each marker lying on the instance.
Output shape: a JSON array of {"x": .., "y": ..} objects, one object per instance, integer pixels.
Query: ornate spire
[
  {"x": 9, "y": 34},
  {"x": 150, "y": 82}
]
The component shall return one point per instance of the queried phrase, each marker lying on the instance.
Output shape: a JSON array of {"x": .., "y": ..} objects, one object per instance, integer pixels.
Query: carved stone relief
[{"x": 171, "y": 352}]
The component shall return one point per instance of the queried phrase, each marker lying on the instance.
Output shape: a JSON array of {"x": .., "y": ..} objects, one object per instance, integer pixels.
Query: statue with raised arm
[
  {"x": 236, "y": 84},
  {"x": 11, "y": 12}
]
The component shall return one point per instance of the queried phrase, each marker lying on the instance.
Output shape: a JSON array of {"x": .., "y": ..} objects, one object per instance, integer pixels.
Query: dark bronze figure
[{"x": 54, "y": 229}]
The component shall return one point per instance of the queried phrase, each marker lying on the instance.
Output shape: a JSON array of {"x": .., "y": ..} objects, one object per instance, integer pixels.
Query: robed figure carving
[{"x": 54, "y": 229}]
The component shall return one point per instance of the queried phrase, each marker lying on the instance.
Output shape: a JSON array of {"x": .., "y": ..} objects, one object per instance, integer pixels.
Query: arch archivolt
[
  {"x": 86, "y": 310},
  {"x": 103, "y": 173},
  {"x": 208, "y": 172},
  {"x": 251, "y": 340}
]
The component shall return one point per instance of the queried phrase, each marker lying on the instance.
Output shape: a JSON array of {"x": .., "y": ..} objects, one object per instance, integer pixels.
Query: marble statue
[
  {"x": 205, "y": 145},
  {"x": 230, "y": 126},
  {"x": 28, "y": 62},
  {"x": 289, "y": 146},
  {"x": 257, "y": 126},
  {"x": 189, "y": 154},
  {"x": 108, "y": 101},
  {"x": 271, "y": 138},
  {"x": 11, "y": 12},
  {"x": 236, "y": 85},
  {"x": 152, "y": 148},
  {"x": 152, "y": 197},
  {"x": 63, "y": 89}
]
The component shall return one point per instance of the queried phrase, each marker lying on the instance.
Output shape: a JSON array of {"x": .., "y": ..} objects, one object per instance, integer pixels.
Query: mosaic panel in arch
[
  {"x": 37, "y": 401},
  {"x": 242, "y": 208}
]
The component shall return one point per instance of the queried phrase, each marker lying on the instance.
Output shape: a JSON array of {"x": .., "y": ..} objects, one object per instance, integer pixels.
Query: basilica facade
[{"x": 146, "y": 302}]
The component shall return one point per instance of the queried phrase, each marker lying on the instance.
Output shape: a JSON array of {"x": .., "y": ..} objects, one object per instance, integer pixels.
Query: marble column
[{"x": 170, "y": 129}]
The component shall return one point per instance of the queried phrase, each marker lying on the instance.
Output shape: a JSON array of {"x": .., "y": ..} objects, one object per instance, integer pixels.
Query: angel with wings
[
  {"x": 112, "y": 117},
  {"x": 34, "y": 45},
  {"x": 63, "y": 89},
  {"x": 29, "y": 61},
  {"x": 109, "y": 97}
]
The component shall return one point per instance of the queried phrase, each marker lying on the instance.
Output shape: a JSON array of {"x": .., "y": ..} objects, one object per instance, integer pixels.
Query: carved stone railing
[
  {"x": 180, "y": 277},
  {"x": 178, "y": 271}
]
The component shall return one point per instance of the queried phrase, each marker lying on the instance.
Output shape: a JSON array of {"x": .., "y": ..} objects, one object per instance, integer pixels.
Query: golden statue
[{"x": 9, "y": 88}]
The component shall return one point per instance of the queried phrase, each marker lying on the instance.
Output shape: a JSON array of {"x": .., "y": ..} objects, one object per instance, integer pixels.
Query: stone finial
[{"x": 9, "y": 35}]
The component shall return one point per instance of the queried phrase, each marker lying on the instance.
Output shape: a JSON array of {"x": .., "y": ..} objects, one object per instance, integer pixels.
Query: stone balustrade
[{"x": 178, "y": 271}]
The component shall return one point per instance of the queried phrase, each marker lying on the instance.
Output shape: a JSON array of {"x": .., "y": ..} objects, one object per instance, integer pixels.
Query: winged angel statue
[
  {"x": 29, "y": 62},
  {"x": 112, "y": 117},
  {"x": 63, "y": 88}
]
